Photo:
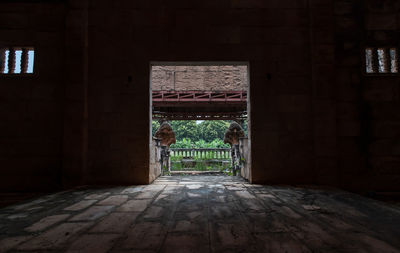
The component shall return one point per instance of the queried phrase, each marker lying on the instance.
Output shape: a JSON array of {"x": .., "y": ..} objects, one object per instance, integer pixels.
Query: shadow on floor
[{"x": 201, "y": 214}]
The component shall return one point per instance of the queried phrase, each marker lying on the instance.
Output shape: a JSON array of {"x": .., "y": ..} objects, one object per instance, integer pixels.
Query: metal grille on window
[
  {"x": 17, "y": 60},
  {"x": 381, "y": 60}
]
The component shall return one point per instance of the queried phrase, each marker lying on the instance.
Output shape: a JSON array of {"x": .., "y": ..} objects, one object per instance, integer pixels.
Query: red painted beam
[
  {"x": 196, "y": 96},
  {"x": 200, "y": 115}
]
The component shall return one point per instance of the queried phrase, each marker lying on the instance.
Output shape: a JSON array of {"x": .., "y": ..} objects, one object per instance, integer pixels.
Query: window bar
[
  {"x": 3, "y": 60},
  {"x": 11, "y": 61},
  {"x": 394, "y": 60},
  {"x": 24, "y": 60},
  {"x": 375, "y": 61},
  {"x": 388, "y": 60}
]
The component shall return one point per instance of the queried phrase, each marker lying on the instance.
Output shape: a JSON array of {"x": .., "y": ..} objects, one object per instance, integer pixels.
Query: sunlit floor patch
[{"x": 201, "y": 214}]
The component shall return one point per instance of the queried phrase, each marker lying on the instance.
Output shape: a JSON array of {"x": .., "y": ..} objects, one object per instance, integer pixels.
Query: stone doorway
[{"x": 199, "y": 92}]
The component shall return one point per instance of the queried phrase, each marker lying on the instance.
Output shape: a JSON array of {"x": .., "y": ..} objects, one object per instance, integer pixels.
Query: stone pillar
[
  {"x": 232, "y": 136},
  {"x": 245, "y": 155},
  {"x": 75, "y": 147}
]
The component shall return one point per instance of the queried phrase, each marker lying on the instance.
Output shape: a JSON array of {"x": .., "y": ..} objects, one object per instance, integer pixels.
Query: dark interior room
[{"x": 89, "y": 148}]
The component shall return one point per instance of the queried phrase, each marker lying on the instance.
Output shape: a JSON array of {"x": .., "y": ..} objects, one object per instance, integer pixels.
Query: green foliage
[
  {"x": 246, "y": 127},
  {"x": 165, "y": 169},
  {"x": 176, "y": 163},
  {"x": 185, "y": 129},
  {"x": 210, "y": 130},
  {"x": 228, "y": 171},
  {"x": 200, "y": 165},
  {"x": 222, "y": 167},
  {"x": 176, "y": 166},
  {"x": 176, "y": 158},
  {"x": 216, "y": 143},
  {"x": 187, "y": 143},
  {"x": 207, "y": 130},
  {"x": 205, "y": 134},
  {"x": 154, "y": 127}
]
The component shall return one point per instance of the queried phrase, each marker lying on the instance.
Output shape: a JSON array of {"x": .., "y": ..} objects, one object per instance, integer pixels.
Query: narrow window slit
[
  {"x": 4, "y": 60},
  {"x": 382, "y": 67},
  {"x": 369, "y": 60},
  {"x": 17, "y": 60},
  {"x": 31, "y": 60}
]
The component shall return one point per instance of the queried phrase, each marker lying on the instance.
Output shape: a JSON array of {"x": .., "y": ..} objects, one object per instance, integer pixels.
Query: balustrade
[{"x": 202, "y": 153}]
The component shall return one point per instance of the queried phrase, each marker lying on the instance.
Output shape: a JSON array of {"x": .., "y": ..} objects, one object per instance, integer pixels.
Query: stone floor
[{"x": 200, "y": 214}]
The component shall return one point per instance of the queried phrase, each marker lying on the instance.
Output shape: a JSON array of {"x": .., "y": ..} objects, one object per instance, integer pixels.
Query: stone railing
[{"x": 202, "y": 153}]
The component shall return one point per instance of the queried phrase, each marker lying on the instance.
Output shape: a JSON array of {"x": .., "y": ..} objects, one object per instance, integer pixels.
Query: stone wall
[
  {"x": 208, "y": 78},
  {"x": 380, "y": 102},
  {"x": 246, "y": 158},
  {"x": 315, "y": 117},
  {"x": 273, "y": 36},
  {"x": 351, "y": 152},
  {"x": 367, "y": 118},
  {"x": 155, "y": 165},
  {"x": 380, "y": 117},
  {"x": 32, "y": 106}
]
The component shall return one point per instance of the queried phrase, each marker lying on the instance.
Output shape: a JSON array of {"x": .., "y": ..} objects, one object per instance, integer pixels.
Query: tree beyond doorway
[{"x": 199, "y": 134}]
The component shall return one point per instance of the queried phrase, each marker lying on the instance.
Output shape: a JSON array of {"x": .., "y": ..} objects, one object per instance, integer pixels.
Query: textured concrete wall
[
  {"x": 208, "y": 78},
  {"x": 273, "y": 36},
  {"x": 315, "y": 117},
  {"x": 296, "y": 123},
  {"x": 32, "y": 106},
  {"x": 369, "y": 118},
  {"x": 380, "y": 116},
  {"x": 76, "y": 101}
]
